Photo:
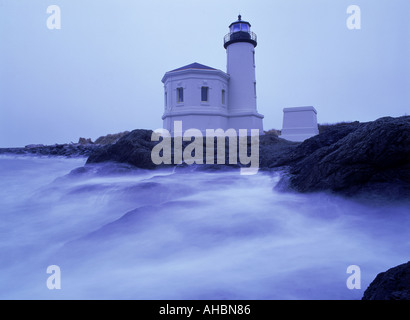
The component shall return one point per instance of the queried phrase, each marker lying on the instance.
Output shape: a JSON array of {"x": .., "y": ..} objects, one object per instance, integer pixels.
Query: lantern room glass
[{"x": 240, "y": 27}]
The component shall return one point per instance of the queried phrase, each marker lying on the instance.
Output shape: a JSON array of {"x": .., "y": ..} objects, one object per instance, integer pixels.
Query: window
[
  {"x": 244, "y": 27},
  {"x": 240, "y": 27},
  {"x": 180, "y": 95},
  {"x": 204, "y": 94},
  {"x": 223, "y": 96},
  {"x": 236, "y": 28},
  {"x": 166, "y": 99}
]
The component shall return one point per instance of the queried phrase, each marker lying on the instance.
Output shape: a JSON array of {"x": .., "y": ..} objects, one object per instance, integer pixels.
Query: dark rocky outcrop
[
  {"x": 133, "y": 148},
  {"x": 64, "y": 150},
  {"x": 328, "y": 137},
  {"x": 353, "y": 158},
  {"x": 110, "y": 138},
  {"x": 394, "y": 284},
  {"x": 83, "y": 148},
  {"x": 370, "y": 157},
  {"x": 275, "y": 152},
  {"x": 84, "y": 141}
]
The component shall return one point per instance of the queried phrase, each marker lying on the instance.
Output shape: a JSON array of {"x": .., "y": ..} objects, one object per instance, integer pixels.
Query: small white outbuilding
[{"x": 299, "y": 123}]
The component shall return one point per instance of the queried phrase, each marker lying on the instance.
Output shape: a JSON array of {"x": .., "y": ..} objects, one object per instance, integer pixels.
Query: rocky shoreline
[
  {"x": 63, "y": 150},
  {"x": 360, "y": 159},
  {"x": 83, "y": 148},
  {"x": 356, "y": 159}
]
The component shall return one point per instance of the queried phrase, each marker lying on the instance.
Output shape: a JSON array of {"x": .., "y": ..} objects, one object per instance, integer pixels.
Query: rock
[
  {"x": 275, "y": 151},
  {"x": 273, "y": 132},
  {"x": 394, "y": 284},
  {"x": 110, "y": 138},
  {"x": 327, "y": 138},
  {"x": 134, "y": 148},
  {"x": 65, "y": 150},
  {"x": 291, "y": 152},
  {"x": 85, "y": 141},
  {"x": 31, "y": 146},
  {"x": 368, "y": 158}
]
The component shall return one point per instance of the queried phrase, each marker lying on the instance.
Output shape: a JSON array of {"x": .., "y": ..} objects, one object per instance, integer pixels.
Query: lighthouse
[
  {"x": 240, "y": 44},
  {"x": 201, "y": 97}
]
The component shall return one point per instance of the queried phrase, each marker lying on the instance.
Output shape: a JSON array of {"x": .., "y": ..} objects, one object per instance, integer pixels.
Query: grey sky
[{"x": 101, "y": 73}]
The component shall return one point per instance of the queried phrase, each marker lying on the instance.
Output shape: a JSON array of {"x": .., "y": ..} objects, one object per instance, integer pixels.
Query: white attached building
[{"x": 206, "y": 98}]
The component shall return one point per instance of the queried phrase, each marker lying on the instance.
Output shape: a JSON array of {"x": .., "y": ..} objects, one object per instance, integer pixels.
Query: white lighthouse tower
[{"x": 240, "y": 45}]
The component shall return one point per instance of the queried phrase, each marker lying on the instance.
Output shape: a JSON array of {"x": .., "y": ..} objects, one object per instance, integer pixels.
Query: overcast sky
[{"x": 101, "y": 72}]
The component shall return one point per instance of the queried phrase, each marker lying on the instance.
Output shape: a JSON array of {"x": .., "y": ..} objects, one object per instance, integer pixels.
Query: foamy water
[{"x": 121, "y": 234}]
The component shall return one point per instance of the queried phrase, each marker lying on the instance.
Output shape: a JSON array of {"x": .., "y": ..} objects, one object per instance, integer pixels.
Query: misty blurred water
[{"x": 134, "y": 234}]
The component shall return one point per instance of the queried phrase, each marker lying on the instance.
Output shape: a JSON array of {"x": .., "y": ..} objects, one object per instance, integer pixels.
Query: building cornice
[
  {"x": 226, "y": 114},
  {"x": 195, "y": 112},
  {"x": 202, "y": 72}
]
